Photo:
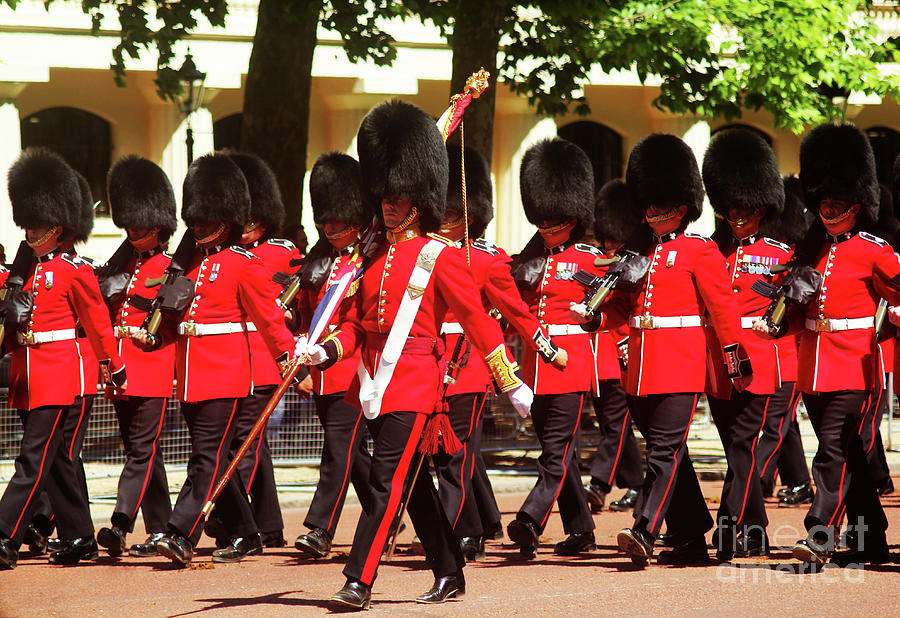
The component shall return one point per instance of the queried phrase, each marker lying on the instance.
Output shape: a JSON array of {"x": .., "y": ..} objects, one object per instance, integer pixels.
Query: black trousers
[
  {"x": 143, "y": 484},
  {"x": 779, "y": 449},
  {"x": 843, "y": 421},
  {"x": 455, "y": 472},
  {"x": 396, "y": 436},
  {"x": 739, "y": 421},
  {"x": 671, "y": 491},
  {"x": 618, "y": 458},
  {"x": 875, "y": 455},
  {"x": 45, "y": 462},
  {"x": 345, "y": 460},
  {"x": 211, "y": 425},
  {"x": 556, "y": 420},
  {"x": 483, "y": 492}
]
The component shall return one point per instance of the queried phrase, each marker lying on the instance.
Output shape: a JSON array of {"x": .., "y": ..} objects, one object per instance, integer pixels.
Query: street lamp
[{"x": 191, "y": 96}]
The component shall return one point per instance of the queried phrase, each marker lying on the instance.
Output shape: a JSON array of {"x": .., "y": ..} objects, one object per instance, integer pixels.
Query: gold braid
[{"x": 462, "y": 163}]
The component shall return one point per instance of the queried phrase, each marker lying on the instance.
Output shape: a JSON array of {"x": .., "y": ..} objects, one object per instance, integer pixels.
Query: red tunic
[
  {"x": 605, "y": 347},
  {"x": 550, "y": 303},
  {"x": 787, "y": 358},
  {"x": 226, "y": 295},
  {"x": 416, "y": 378},
  {"x": 490, "y": 269},
  {"x": 688, "y": 278},
  {"x": 276, "y": 255},
  {"x": 746, "y": 264},
  {"x": 50, "y": 373},
  {"x": 90, "y": 366},
  {"x": 855, "y": 269}
]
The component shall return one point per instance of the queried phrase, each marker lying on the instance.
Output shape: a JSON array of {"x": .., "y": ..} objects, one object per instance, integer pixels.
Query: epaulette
[
  {"x": 242, "y": 251},
  {"x": 588, "y": 248},
  {"x": 697, "y": 236},
  {"x": 168, "y": 255},
  {"x": 872, "y": 238},
  {"x": 282, "y": 242},
  {"x": 89, "y": 261},
  {"x": 3, "y": 269},
  {"x": 74, "y": 260},
  {"x": 485, "y": 245},
  {"x": 442, "y": 239},
  {"x": 775, "y": 243}
]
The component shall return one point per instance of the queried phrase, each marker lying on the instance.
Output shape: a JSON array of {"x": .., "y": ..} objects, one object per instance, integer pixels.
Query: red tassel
[{"x": 437, "y": 431}]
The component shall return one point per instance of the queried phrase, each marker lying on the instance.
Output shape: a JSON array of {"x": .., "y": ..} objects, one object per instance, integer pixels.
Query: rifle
[
  {"x": 15, "y": 305},
  {"x": 799, "y": 287},
  {"x": 290, "y": 284},
  {"x": 626, "y": 269},
  {"x": 175, "y": 290},
  {"x": 112, "y": 277}
]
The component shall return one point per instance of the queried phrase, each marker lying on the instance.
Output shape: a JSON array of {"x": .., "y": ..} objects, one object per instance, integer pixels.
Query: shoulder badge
[
  {"x": 74, "y": 260},
  {"x": 872, "y": 238},
  {"x": 442, "y": 239},
  {"x": 3, "y": 269},
  {"x": 588, "y": 248},
  {"x": 775, "y": 243},
  {"x": 697, "y": 236},
  {"x": 242, "y": 251},
  {"x": 168, "y": 255},
  {"x": 485, "y": 245},
  {"x": 281, "y": 242}
]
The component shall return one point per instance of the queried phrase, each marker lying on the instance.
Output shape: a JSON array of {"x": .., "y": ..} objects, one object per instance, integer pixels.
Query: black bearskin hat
[
  {"x": 44, "y": 190},
  {"x": 266, "y": 206},
  {"x": 792, "y": 224},
  {"x": 739, "y": 169},
  {"x": 402, "y": 154},
  {"x": 479, "y": 190},
  {"x": 895, "y": 182},
  {"x": 85, "y": 222},
  {"x": 836, "y": 162},
  {"x": 141, "y": 196},
  {"x": 662, "y": 171},
  {"x": 215, "y": 190},
  {"x": 557, "y": 182},
  {"x": 887, "y": 225},
  {"x": 615, "y": 219},
  {"x": 335, "y": 190}
]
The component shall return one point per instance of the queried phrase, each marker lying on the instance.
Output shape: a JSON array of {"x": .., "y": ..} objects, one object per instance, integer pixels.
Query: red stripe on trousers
[
  {"x": 674, "y": 467},
  {"x": 40, "y": 473},
  {"x": 212, "y": 483}
]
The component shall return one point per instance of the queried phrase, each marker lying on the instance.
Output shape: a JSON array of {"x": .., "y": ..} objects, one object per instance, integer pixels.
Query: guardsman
[
  {"x": 404, "y": 294},
  {"x": 838, "y": 349},
  {"x": 46, "y": 377},
  {"x": 618, "y": 458},
  {"x": 665, "y": 314},
  {"x": 143, "y": 204},
  {"x": 489, "y": 265},
  {"x": 779, "y": 449},
  {"x": 260, "y": 237},
  {"x": 212, "y": 354},
  {"x": 744, "y": 187},
  {"x": 557, "y": 184},
  {"x": 338, "y": 211}
]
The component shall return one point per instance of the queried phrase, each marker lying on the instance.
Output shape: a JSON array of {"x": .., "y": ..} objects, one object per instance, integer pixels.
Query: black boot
[
  {"x": 626, "y": 502},
  {"x": 82, "y": 548},
  {"x": 811, "y": 551},
  {"x": 147, "y": 549},
  {"x": 113, "y": 539},
  {"x": 472, "y": 548},
  {"x": 801, "y": 494},
  {"x": 637, "y": 544},
  {"x": 36, "y": 540},
  {"x": 239, "y": 547},
  {"x": 692, "y": 550},
  {"x": 575, "y": 544},
  {"x": 524, "y": 534},
  {"x": 176, "y": 547},
  {"x": 273, "y": 539},
  {"x": 9, "y": 554},
  {"x": 315, "y": 543},
  {"x": 354, "y": 596},
  {"x": 446, "y": 587},
  {"x": 596, "y": 496}
]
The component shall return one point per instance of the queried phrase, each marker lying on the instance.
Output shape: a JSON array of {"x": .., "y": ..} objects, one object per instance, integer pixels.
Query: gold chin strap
[
  {"x": 252, "y": 225},
  {"x": 745, "y": 220},
  {"x": 553, "y": 228},
  {"x": 665, "y": 216},
  {"x": 837, "y": 219},
  {"x": 397, "y": 233},
  {"x": 449, "y": 226},
  {"x": 208, "y": 240},
  {"x": 342, "y": 234},
  {"x": 43, "y": 239}
]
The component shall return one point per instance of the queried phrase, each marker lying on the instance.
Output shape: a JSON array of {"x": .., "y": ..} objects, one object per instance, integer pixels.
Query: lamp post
[{"x": 191, "y": 96}]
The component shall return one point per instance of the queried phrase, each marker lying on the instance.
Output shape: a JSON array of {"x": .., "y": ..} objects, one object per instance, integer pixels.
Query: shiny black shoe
[
  {"x": 472, "y": 548},
  {"x": 692, "y": 550},
  {"x": 240, "y": 546},
  {"x": 447, "y": 587},
  {"x": 667, "y": 539},
  {"x": 724, "y": 540},
  {"x": 596, "y": 497},
  {"x": 315, "y": 543},
  {"x": 749, "y": 545},
  {"x": 637, "y": 544},
  {"x": 273, "y": 539},
  {"x": 578, "y": 543},
  {"x": 801, "y": 494},
  {"x": 36, "y": 541},
  {"x": 875, "y": 552},
  {"x": 9, "y": 554},
  {"x": 808, "y": 550},
  {"x": 524, "y": 534},
  {"x": 784, "y": 491},
  {"x": 147, "y": 549},
  {"x": 82, "y": 548},
  {"x": 626, "y": 502},
  {"x": 354, "y": 596},
  {"x": 113, "y": 539},
  {"x": 56, "y": 544},
  {"x": 176, "y": 548},
  {"x": 494, "y": 532}
]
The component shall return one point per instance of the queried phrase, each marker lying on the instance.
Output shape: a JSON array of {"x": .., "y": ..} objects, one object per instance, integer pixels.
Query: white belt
[
  {"x": 33, "y": 338},
  {"x": 747, "y": 322},
  {"x": 558, "y": 330},
  {"x": 251, "y": 327},
  {"x": 192, "y": 329},
  {"x": 830, "y": 325},
  {"x": 126, "y": 332},
  {"x": 451, "y": 328},
  {"x": 651, "y": 322}
]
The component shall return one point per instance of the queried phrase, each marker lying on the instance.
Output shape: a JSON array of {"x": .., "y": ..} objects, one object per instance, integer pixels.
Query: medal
[
  {"x": 215, "y": 272},
  {"x": 670, "y": 259},
  {"x": 48, "y": 280}
]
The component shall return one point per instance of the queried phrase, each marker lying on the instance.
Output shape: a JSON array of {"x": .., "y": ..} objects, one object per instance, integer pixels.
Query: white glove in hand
[
  {"x": 894, "y": 315},
  {"x": 578, "y": 311},
  {"x": 300, "y": 346},
  {"x": 521, "y": 398},
  {"x": 317, "y": 354}
]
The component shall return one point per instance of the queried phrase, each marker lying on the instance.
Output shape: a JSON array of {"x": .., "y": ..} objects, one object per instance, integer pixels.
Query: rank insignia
[
  {"x": 566, "y": 270},
  {"x": 670, "y": 259},
  {"x": 214, "y": 274},
  {"x": 48, "y": 280}
]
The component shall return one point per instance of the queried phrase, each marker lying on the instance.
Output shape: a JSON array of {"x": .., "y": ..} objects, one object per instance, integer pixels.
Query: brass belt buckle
[
  {"x": 646, "y": 322},
  {"x": 823, "y": 325},
  {"x": 28, "y": 338},
  {"x": 190, "y": 329}
]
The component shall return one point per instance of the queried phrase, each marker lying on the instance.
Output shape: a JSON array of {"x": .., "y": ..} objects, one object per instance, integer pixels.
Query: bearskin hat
[
  {"x": 335, "y": 190},
  {"x": 615, "y": 219},
  {"x": 887, "y": 224},
  {"x": 141, "y": 196},
  {"x": 44, "y": 190},
  {"x": 895, "y": 182},
  {"x": 402, "y": 154},
  {"x": 662, "y": 171},
  {"x": 791, "y": 225},
  {"x": 85, "y": 222},
  {"x": 479, "y": 189},
  {"x": 266, "y": 206},
  {"x": 739, "y": 169},
  {"x": 557, "y": 182},
  {"x": 215, "y": 190},
  {"x": 836, "y": 162}
]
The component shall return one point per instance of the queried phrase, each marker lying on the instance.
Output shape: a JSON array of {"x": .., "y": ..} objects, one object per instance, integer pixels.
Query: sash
[{"x": 371, "y": 388}]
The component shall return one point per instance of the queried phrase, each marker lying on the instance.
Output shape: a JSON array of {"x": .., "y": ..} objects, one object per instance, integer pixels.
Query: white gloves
[
  {"x": 300, "y": 346},
  {"x": 521, "y": 398},
  {"x": 309, "y": 354},
  {"x": 578, "y": 311}
]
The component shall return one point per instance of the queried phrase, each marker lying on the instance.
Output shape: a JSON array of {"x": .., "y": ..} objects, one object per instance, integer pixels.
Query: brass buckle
[
  {"x": 646, "y": 322},
  {"x": 190, "y": 329},
  {"x": 823, "y": 325},
  {"x": 28, "y": 338}
]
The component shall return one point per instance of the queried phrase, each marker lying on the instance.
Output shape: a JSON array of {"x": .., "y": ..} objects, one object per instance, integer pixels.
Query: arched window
[
  {"x": 745, "y": 127},
  {"x": 886, "y": 146},
  {"x": 602, "y": 145},
  {"x": 81, "y": 138},
  {"x": 227, "y": 132}
]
